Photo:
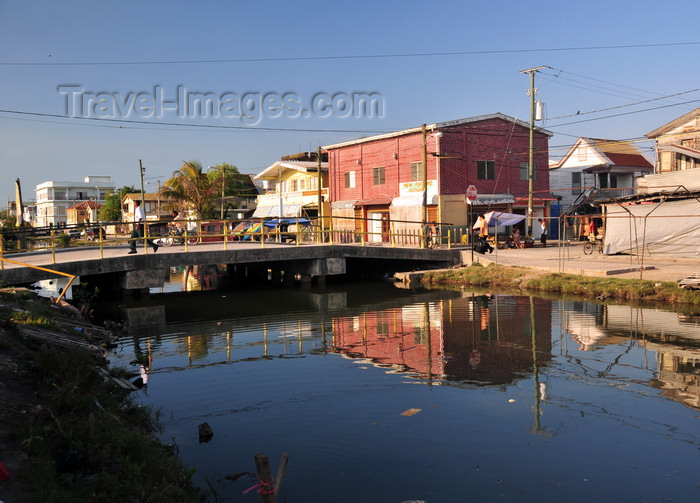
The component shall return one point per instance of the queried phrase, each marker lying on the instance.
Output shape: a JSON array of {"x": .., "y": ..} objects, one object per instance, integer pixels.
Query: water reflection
[
  {"x": 537, "y": 394},
  {"x": 479, "y": 339}
]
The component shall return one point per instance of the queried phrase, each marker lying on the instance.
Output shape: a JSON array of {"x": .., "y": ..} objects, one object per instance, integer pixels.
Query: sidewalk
[{"x": 570, "y": 259}]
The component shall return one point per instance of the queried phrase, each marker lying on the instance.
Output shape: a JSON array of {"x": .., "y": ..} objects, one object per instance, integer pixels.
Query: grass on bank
[
  {"x": 622, "y": 290},
  {"x": 87, "y": 441}
]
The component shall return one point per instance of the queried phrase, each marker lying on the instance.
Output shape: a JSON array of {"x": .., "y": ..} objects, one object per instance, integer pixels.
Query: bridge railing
[{"x": 327, "y": 230}]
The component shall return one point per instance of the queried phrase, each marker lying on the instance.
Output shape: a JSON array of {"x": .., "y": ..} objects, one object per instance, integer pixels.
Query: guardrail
[
  {"x": 71, "y": 276},
  {"x": 330, "y": 230}
]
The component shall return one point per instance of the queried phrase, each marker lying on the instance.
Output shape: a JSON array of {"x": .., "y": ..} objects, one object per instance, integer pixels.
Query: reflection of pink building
[
  {"x": 476, "y": 338},
  {"x": 489, "y": 339},
  {"x": 408, "y": 338}
]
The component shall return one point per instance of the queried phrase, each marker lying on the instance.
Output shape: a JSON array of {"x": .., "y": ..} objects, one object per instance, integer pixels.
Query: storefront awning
[
  {"x": 536, "y": 200},
  {"x": 288, "y": 210},
  {"x": 493, "y": 199},
  {"x": 379, "y": 201},
  {"x": 348, "y": 203}
]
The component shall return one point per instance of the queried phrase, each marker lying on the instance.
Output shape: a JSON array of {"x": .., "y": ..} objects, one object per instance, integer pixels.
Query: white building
[
  {"x": 610, "y": 166},
  {"x": 53, "y": 198}
]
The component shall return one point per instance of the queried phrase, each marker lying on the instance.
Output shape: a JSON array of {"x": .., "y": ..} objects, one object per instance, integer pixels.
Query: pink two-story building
[{"x": 380, "y": 178}]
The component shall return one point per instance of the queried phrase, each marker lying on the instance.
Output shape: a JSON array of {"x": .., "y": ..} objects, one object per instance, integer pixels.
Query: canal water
[{"x": 385, "y": 395}]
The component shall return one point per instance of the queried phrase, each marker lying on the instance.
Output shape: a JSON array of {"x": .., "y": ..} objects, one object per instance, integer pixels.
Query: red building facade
[{"x": 381, "y": 177}]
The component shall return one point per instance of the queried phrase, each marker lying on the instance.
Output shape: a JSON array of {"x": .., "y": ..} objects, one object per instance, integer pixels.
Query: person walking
[
  {"x": 543, "y": 236},
  {"x": 138, "y": 230}
]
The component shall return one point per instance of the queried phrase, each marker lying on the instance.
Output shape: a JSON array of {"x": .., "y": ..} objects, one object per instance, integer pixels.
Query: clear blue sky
[{"x": 435, "y": 61}]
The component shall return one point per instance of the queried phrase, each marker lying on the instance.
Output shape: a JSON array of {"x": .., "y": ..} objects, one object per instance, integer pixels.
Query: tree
[
  {"x": 193, "y": 188},
  {"x": 235, "y": 185},
  {"x": 111, "y": 211}
]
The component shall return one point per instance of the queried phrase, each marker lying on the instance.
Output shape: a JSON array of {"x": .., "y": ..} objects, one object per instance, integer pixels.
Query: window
[
  {"x": 486, "y": 170},
  {"x": 350, "y": 180},
  {"x": 416, "y": 171},
  {"x": 524, "y": 170},
  {"x": 293, "y": 187},
  {"x": 302, "y": 184},
  {"x": 378, "y": 175},
  {"x": 603, "y": 180},
  {"x": 576, "y": 183}
]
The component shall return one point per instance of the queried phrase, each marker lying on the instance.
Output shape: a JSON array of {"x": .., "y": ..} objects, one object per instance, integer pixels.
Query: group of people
[{"x": 483, "y": 246}]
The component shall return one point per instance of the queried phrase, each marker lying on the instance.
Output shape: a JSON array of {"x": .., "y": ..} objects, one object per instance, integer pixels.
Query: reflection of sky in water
[
  {"x": 52, "y": 287},
  {"x": 512, "y": 407}
]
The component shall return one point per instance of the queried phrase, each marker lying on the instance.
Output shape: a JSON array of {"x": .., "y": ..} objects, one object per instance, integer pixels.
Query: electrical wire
[
  {"x": 355, "y": 56},
  {"x": 628, "y": 105}
]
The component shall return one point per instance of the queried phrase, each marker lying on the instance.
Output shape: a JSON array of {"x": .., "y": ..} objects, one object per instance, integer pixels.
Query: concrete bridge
[{"x": 112, "y": 269}]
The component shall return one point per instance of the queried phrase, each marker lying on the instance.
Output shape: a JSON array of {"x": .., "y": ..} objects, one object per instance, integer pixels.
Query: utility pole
[
  {"x": 319, "y": 237},
  {"x": 425, "y": 175},
  {"x": 142, "y": 170},
  {"x": 531, "y": 162},
  {"x": 223, "y": 187}
]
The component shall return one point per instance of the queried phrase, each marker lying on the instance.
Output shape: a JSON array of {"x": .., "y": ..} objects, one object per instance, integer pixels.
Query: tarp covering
[
  {"x": 670, "y": 228},
  {"x": 500, "y": 218}
]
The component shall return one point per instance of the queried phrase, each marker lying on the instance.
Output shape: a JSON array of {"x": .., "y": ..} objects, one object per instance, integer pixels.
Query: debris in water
[
  {"x": 205, "y": 433},
  {"x": 410, "y": 412}
]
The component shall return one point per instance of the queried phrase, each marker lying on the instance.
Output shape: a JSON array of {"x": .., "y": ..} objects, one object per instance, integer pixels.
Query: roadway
[{"x": 571, "y": 259}]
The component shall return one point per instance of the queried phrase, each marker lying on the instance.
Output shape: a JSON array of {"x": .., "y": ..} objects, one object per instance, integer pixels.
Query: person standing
[
  {"x": 543, "y": 236},
  {"x": 483, "y": 245},
  {"x": 139, "y": 230},
  {"x": 591, "y": 229}
]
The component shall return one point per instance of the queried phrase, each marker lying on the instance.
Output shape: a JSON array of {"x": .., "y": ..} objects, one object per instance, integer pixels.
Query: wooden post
[
  {"x": 267, "y": 489},
  {"x": 280, "y": 475}
]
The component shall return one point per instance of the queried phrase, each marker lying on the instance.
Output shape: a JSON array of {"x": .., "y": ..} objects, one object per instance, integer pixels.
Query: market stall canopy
[{"x": 500, "y": 218}]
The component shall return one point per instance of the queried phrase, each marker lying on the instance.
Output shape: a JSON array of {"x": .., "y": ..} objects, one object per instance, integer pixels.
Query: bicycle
[{"x": 593, "y": 244}]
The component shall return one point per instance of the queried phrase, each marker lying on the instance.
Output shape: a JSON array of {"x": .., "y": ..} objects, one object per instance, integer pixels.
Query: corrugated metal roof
[{"x": 432, "y": 127}]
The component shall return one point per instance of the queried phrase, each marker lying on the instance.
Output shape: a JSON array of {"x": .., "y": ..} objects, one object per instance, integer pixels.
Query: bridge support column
[{"x": 142, "y": 279}]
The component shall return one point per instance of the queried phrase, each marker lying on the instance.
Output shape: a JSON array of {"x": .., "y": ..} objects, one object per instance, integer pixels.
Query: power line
[
  {"x": 626, "y": 113},
  {"x": 99, "y": 120},
  {"x": 356, "y": 56},
  {"x": 627, "y": 105}
]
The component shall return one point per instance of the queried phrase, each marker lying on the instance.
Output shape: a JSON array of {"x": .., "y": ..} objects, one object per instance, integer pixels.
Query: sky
[{"x": 90, "y": 88}]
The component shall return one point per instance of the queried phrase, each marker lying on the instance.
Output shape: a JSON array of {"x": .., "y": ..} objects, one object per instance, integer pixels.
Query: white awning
[
  {"x": 349, "y": 203},
  {"x": 493, "y": 199},
  {"x": 288, "y": 210}
]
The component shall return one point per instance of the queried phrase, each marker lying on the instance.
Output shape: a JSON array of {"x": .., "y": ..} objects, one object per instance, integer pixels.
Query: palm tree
[{"x": 192, "y": 188}]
